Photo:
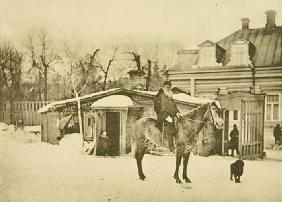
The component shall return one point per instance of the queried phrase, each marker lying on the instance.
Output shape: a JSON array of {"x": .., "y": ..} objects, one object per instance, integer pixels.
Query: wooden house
[
  {"x": 249, "y": 60},
  {"x": 114, "y": 111}
]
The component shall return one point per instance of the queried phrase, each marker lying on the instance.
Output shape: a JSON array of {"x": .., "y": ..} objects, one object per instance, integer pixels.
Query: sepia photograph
[{"x": 140, "y": 101}]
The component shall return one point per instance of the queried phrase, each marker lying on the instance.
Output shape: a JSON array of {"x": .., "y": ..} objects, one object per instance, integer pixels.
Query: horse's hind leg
[
  {"x": 185, "y": 163},
  {"x": 178, "y": 162},
  {"x": 139, "y": 156}
]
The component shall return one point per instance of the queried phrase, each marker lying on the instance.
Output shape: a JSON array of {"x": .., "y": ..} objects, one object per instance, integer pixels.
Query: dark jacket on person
[
  {"x": 103, "y": 145},
  {"x": 234, "y": 138},
  {"x": 277, "y": 134},
  {"x": 165, "y": 106}
]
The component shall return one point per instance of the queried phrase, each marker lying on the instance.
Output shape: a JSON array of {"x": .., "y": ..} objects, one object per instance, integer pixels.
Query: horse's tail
[{"x": 138, "y": 136}]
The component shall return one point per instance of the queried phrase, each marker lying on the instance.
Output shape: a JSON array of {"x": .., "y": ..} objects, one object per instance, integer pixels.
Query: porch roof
[{"x": 113, "y": 101}]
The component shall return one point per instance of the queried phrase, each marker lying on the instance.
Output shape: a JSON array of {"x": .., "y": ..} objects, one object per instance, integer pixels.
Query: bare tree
[
  {"x": 80, "y": 69},
  {"x": 147, "y": 68},
  {"x": 43, "y": 57},
  {"x": 106, "y": 69},
  {"x": 10, "y": 72},
  {"x": 149, "y": 74},
  {"x": 137, "y": 60}
]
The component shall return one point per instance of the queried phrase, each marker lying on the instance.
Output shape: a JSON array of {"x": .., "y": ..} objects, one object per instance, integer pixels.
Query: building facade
[{"x": 247, "y": 60}]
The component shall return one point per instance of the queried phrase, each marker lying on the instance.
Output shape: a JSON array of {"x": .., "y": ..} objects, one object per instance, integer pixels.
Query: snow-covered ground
[{"x": 35, "y": 172}]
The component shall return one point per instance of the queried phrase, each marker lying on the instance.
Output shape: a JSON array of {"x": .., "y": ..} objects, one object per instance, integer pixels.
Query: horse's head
[{"x": 215, "y": 114}]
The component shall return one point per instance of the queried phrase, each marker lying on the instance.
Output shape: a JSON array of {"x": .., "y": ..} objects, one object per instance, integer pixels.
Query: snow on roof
[
  {"x": 187, "y": 98},
  {"x": 113, "y": 101},
  {"x": 53, "y": 104},
  {"x": 183, "y": 97}
]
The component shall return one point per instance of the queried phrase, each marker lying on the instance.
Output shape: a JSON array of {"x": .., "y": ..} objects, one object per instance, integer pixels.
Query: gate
[
  {"x": 249, "y": 110},
  {"x": 251, "y": 130}
]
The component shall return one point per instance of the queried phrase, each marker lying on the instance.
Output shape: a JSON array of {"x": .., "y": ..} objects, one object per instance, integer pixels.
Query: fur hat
[{"x": 167, "y": 82}]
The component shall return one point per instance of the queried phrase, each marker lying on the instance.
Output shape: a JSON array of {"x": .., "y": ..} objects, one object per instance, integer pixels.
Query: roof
[
  {"x": 186, "y": 58},
  {"x": 267, "y": 48},
  {"x": 113, "y": 101},
  {"x": 185, "y": 99},
  {"x": 267, "y": 44}
]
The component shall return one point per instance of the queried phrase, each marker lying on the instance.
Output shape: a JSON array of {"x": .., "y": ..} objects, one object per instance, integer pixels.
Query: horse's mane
[{"x": 196, "y": 110}]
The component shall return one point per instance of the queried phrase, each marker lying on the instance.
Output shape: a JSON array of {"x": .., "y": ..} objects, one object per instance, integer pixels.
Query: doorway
[{"x": 113, "y": 132}]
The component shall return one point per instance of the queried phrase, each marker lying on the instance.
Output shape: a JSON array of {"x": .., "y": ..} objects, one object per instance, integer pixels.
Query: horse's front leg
[
  {"x": 139, "y": 154},
  {"x": 178, "y": 162},
  {"x": 185, "y": 163}
]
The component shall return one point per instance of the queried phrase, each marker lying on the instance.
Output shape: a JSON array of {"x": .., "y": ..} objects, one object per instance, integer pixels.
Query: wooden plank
[{"x": 242, "y": 128}]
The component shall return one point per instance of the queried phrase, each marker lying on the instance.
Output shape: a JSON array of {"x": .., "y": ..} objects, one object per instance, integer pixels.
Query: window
[
  {"x": 89, "y": 121},
  {"x": 272, "y": 107},
  {"x": 235, "y": 115},
  {"x": 239, "y": 55}
]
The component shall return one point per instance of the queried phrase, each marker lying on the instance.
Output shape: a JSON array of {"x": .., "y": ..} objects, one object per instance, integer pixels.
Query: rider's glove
[{"x": 169, "y": 119}]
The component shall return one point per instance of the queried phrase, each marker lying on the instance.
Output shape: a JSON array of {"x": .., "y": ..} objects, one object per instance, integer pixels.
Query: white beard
[{"x": 167, "y": 92}]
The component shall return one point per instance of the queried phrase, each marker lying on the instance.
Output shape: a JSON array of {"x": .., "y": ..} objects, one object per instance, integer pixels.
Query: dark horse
[{"x": 188, "y": 127}]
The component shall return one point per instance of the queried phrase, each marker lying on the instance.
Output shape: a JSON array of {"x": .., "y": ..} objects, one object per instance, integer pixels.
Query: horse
[{"x": 188, "y": 127}]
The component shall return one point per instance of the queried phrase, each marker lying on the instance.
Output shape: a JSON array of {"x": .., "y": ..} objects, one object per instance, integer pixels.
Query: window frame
[{"x": 271, "y": 110}]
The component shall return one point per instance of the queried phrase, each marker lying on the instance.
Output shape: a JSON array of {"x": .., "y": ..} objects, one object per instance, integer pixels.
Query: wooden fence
[{"x": 27, "y": 111}]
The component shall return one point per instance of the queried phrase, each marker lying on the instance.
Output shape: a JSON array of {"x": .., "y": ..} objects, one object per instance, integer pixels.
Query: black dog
[{"x": 236, "y": 169}]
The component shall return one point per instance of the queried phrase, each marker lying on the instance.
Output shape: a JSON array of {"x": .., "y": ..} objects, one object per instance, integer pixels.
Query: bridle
[{"x": 205, "y": 122}]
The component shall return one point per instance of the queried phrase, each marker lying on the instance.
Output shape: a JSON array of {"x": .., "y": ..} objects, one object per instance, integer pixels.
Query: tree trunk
[
  {"x": 1, "y": 103},
  {"x": 39, "y": 86},
  {"x": 45, "y": 83},
  {"x": 11, "y": 111},
  {"x": 79, "y": 117},
  {"x": 149, "y": 75},
  {"x": 105, "y": 81}
]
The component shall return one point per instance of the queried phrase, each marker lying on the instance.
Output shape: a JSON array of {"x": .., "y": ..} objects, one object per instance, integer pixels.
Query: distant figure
[
  {"x": 234, "y": 140},
  {"x": 236, "y": 170},
  {"x": 103, "y": 146},
  {"x": 19, "y": 124},
  {"x": 277, "y": 133},
  {"x": 166, "y": 111}
]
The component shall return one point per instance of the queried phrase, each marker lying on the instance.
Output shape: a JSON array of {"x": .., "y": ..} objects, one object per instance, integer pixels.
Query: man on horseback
[{"x": 167, "y": 112}]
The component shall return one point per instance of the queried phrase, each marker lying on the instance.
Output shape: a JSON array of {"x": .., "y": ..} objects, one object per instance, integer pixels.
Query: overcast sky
[{"x": 189, "y": 21}]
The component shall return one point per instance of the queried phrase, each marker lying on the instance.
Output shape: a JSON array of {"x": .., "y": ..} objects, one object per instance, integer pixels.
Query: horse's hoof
[
  {"x": 178, "y": 181},
  {"x": 142, "y": 178},
  {"x": 187, "y": 180}
]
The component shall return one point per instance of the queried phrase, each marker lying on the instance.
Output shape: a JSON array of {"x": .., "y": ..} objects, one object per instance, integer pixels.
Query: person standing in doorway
[
  {"x": 234, "y": 140},
  {"x": 103, "y": 146}
]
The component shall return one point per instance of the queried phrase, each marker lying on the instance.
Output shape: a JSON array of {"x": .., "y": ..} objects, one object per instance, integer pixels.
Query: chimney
[
  {"x": 137, "y": 80},
  {"x": 270, "y": 20},
  {"x": 156, "y": 69},
  {"x": 245, "y": 23}
]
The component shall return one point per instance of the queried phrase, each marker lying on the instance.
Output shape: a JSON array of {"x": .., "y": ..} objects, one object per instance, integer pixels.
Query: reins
[{"x": 198, "y": 120}]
